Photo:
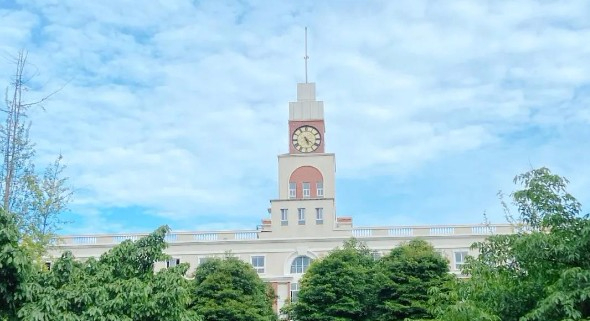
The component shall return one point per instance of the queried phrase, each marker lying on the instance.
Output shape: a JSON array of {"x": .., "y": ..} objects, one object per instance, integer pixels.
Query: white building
[{"x": 303, "y": 224}]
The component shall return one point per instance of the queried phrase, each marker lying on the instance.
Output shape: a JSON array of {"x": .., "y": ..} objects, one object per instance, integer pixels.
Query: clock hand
[{"x": 306, "y": 139}]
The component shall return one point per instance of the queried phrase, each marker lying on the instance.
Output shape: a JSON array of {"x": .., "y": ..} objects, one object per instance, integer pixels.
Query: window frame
[
  {"x": 284, "y": 216},
  {"x": 376, "y": 255},
  {"x": 319, "y": 215},
  {"x": 301, "y": 215},
  {"x": 292, "y": 190},
  {"x": 258, "y": 269},
  {"x": 172, "y": 262},
  {"x": 306, "y": 190},
  {"x": 464, "y": 253},
  {"x": 300, "y": 264},
  {"x": 319, "y": 189},
  {"x": 294, "y": 291},
  {"x": 204, "y": 259}
]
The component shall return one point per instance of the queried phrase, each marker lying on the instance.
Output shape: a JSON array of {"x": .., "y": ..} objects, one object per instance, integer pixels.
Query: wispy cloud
[{"x": 180, "y": 108}]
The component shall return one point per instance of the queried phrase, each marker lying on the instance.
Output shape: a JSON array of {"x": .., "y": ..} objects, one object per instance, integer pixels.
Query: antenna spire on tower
[{"x": 306, "y": 57}]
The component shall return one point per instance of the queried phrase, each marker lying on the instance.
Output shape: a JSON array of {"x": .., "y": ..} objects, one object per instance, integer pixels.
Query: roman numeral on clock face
[{"x": 306, "y": 139}]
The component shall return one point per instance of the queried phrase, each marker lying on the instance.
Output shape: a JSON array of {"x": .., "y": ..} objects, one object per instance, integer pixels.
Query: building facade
[{"x": 303, "y": 223}]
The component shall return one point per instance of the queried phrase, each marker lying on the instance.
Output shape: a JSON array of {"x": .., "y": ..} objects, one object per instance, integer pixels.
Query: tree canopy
[
  {"x": 540, "y": 273},
  {"x": 338, "y": 287},
  {"x": 350, "y": 284},
  {"x": 15, "y": 268},
  {"x": 228, "y": 289},
  {"x": 120, "y": 285},
  {"x": 406, "y": 275}
]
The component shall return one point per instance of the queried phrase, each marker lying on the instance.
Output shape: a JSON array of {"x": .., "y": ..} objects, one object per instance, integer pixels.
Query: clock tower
[
  {"x": 305, "y": 205},
  {"x": 306, "y": 122}
]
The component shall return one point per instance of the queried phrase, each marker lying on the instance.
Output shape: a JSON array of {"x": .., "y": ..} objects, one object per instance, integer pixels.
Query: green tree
[
  {"x": 229, "y": 289},
  {"x": 408, "y": 273},
  {"x": 120, "y": 285},
  {"x": 15, "y": 268},
  {"x": 340, "y": 286},
  {"x": 539, "y": 273},
  {"x": 36, "y": 200}
]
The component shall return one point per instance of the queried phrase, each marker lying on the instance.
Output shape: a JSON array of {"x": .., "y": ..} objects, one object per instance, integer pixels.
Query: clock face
[{"x": 306, "y": 139}]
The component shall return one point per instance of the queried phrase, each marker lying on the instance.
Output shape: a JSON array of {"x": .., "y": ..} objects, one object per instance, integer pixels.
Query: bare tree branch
[{"x": 35, "y": 200}]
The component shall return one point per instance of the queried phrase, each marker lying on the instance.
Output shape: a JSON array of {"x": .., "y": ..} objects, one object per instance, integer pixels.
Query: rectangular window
[
  {"x": 319, "y": 216},
  {"x": 301, "y": 216},
  {"x": 460, "y": 259},
  {"x": 306, "y": 190},
  {"x": 258, "y": 263},
  {"x": 203, "y": 260},
  {"x": 376, "y": 255},
  {"x": 172, "y": 262},
  {"x": 292, "y": 190},
  {"x": 294, "y": 292},
  {"x": 284, "y": 216},
  {"x": 319, "y": 189}
]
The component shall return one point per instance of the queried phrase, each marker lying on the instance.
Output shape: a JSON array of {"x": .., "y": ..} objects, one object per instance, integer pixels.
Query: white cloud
[{"x": 181, "y": 108}]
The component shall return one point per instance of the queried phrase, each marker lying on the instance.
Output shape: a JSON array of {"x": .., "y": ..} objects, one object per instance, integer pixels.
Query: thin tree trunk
[{"x": 12, "y": 124}]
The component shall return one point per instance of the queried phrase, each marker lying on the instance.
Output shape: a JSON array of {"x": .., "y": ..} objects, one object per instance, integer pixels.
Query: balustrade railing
[
  {"x": 443, "y": 230},
  {"x": 176, "y": 237},
  {"x": 241, "y": 235},
  {"x": 362, "y": 232}
]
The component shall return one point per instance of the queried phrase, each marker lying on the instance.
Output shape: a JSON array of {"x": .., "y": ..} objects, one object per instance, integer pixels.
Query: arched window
[
  {"x": 306, "y": 182},
  {"x": 300, "y": 264}
]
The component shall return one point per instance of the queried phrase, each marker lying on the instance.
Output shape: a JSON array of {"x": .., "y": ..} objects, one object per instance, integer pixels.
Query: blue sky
[{"x": 174, "y": 111}]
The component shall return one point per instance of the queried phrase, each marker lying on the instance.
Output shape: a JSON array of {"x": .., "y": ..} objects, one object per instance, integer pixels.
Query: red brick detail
[{"x": 307, "y": 174}]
